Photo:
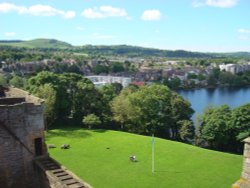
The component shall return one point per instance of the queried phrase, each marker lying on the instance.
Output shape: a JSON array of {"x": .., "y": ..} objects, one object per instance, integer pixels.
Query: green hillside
[
  {"x": 135, "y": 51},
  {"x": 38, "y": 43},
  {"x": 102, "y": 159},
  {"x": 121, "y": 50}
]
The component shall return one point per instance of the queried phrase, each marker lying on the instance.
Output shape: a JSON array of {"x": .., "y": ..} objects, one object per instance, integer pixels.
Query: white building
[
  {"x": 102, "y": 80},
  {"x": 235, "y": 68}
]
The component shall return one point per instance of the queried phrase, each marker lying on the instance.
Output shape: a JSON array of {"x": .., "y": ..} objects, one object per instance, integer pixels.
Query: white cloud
[
  {"x": 215, "y": 3},
  {"x": 69, "y": 14},
  {"x": 35, "y": 10},
  {"x": 221, "y": 3},
  {"x": 104, "y": 12},
  {"x": 244, "y": 31},
  {"x": 151, "y": 15},
  {"x": 9, "y": 34},
  {"x": 9, "y": 7}
]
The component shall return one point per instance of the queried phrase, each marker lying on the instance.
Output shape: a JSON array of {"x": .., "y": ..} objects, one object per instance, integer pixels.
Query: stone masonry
[
  {"x": 24, "y": 161},
  {"x": 21, "y": 138},
  {"x": 244, "y": 181}
]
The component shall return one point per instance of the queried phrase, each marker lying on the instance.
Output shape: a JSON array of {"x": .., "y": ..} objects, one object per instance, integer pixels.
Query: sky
[{"x": 194, "y": 25}]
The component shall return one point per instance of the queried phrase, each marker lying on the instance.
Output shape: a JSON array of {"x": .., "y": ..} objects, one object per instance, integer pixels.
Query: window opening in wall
[{"x": 38, "y": 146}]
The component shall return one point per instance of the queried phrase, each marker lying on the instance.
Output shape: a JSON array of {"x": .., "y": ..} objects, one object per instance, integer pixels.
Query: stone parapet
[
  {"x": 18, "y": 93},
  {"x": 244, "y": 182},
  {"x": 54, "y": 175}
]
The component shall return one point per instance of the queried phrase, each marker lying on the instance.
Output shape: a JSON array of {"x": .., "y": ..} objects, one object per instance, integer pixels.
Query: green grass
[{"x": 177, "y": 165}]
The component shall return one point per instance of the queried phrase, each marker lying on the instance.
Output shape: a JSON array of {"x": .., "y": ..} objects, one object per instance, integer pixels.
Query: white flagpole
[{"x": 153, "y": 155}]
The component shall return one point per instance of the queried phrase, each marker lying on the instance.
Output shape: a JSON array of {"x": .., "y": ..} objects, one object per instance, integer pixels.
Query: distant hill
[
  {"x": 118, "y": 50},
  {"x": 233, "y": 54},
  {"x": 135, "y": 51},
  {"x": 37, "y": 43}
]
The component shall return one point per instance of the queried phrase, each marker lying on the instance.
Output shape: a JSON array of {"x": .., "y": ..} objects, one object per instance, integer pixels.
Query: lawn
[{"x": 102, "y": 159}]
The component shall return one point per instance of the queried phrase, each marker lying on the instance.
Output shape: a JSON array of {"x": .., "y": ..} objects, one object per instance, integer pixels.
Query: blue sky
[{"x": 196, "y": 25}]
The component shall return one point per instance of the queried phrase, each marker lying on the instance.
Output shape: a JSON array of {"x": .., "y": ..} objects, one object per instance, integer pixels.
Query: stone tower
[{"x": 21, "y": 137}]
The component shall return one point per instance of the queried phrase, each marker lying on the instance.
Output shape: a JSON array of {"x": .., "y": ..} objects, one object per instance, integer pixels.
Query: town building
[
  {"x": 102, "y": 80},
  {"x": 235, "y": 68}
]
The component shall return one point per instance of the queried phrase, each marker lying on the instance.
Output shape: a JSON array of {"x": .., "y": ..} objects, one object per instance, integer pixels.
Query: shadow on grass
[
  {"x": 68, "y": 132},
  {"x": 99, "y": 130}
]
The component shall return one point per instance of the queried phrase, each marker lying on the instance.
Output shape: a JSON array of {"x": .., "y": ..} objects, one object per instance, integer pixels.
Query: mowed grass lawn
[{"x": 101, "y": 158}]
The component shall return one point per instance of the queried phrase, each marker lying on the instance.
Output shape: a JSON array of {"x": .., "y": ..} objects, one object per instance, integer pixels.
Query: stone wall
[
  {"x": 24, "y": 161},
  {"x": 244, "y": 181},
  {"x": 20, "y": 125},
  {"x": 52, "y": 174},
  {"x": 246, "y": 164}
]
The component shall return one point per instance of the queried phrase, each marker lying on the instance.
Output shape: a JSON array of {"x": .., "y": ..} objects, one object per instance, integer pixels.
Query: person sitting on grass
[{"x": 132, "y": 158}]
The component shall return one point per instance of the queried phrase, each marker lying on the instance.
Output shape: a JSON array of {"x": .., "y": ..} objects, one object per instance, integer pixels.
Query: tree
[
  {"x": 173, "y": 83},
  {"x": 74, "y": 69},
  {"x": 100, "y": 69},
  {"x": 117, "y": 67},
  {"x": 108, "y": 92},
  {"x": 76, "y": 96},
  {"x": 201, "y": 77},
  {"x": 122, "y": 108},
  {"x": 215, "y": 127},
  {"x": 47, "y": 93},
  {"x": 3, "y": 80},
  {"x": 192, "y": 76},
  {"x": 240, "y": 122},
  {"x": 227, "y": 78},
  {"x": 63, "y": 102},
  {"x": 86, "y": 98},
  {"x": 17, "y": 81},
  {"x": 91, "y": 121},
  {"x": 213, "y": 77},
  {"x": 150, "y": 109},
  {"x": 180, "y": 111},
  {"x": 187, "y": 130}
]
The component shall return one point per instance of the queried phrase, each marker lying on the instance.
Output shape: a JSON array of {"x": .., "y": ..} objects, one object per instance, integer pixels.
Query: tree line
[{"x": 143, "y": 110}]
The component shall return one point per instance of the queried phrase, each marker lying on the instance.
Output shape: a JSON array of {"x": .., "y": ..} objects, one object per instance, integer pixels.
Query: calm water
[{"x": 201, "y": 98}]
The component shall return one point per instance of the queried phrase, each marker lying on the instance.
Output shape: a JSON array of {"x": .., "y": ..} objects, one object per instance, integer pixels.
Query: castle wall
[
  {"x": 24, "y": 161},
  {"x": 20, "y": 125}
]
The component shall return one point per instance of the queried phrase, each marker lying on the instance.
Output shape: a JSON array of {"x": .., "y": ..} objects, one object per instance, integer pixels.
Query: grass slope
[
  {"x": 176, "y": 164},
  {"x": 38, "y": 43}
]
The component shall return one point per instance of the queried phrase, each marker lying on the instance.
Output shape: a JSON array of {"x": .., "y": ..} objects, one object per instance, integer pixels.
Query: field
[{"x": 101, "y": 158}]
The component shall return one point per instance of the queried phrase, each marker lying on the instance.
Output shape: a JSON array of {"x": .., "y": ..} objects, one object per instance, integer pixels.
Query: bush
[{"x": 91, "y": 121}]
